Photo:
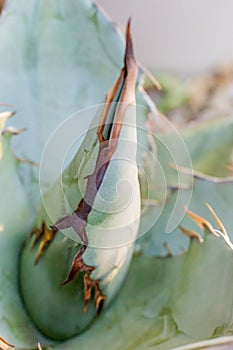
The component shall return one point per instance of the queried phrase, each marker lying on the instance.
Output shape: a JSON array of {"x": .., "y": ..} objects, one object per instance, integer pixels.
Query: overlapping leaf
[{"x": 64, "y": 59}]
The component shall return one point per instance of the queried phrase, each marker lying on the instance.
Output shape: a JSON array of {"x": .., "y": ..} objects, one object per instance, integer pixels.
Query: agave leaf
[
  {"x": 55, "y": 78},
  {"x": 209, "y": 146},
  {"x": 26, "y": 64},
  {"x": 16, "y": 219},
  {"x": 81, "y": 275},
  {"x": 172, "y": 295},
  {"x": 173, "y": 186},
  {"x": 199, "y": 148},
  {"x": 165, "y": 236},
  {"x": 163, "y": 289},
  {"x": 175, "y": 301},
  {"x": 66, "y": 56}
]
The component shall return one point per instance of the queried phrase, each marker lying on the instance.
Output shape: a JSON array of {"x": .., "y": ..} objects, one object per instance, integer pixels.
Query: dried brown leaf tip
[{"x": 4, "y": 345}]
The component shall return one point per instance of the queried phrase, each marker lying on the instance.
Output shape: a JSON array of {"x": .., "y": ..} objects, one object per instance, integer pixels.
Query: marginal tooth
[
  {"x": 201, "y": 222},
  {"x": 99, "y": 299},
  {"x": 6, "y": 114},
  {"x": 47, "y": 236},
  {"x": 218, "y": 221},
  {"x": 88, "y": 285},
  {"x": 222, "y": 229},
  {"x": 79, "y": 266},
  {"x": 36, "y": 234},
  {"x": 192, "y": 234},
  {"x": 168, "y": 250}
]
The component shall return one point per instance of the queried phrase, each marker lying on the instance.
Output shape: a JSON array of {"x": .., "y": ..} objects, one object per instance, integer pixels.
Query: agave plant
[
  {"x": 65, "y": 256},
  {"x": 105, "y": 245}
]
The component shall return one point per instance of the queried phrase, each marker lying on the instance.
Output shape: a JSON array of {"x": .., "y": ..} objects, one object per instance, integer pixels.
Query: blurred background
[
  {"x": 188, "y": 46},
  {"x": 185, "y": 37},
  {"x": 1, "y": 4}
]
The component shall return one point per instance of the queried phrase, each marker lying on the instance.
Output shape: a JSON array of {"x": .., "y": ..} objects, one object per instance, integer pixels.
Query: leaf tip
[{"x": 129, "y": 52}]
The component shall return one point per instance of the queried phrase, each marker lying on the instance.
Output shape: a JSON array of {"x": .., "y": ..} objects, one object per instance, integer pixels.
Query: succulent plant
[
  {"x": 85, "y": 273},
  {"x": 60, "y": 266}
]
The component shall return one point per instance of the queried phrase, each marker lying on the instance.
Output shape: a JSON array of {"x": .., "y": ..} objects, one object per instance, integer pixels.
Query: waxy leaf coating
[{"x": 80, "y": 276}]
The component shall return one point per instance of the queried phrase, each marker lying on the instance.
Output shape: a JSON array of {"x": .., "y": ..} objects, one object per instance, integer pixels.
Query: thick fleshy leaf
[
  {"x": 175, "y": 301},
  {"x": 28, "y": 65},
  {"x": 209, "y": 146},
  {"x": 16, "y": 220},
  {"x": 164, "y": 301},
  {"x": 165, "y": 235},
  {"x": 65, "y": 58},
  {"x": 194, "y": 149},
  {"x": 97, "y": 199},
  {"x": 61, "y": 61}
]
